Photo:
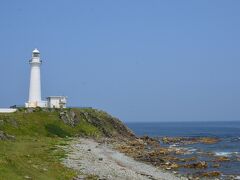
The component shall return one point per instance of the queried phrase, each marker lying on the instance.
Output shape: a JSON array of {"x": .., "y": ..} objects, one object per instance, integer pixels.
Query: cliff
[
  {"x": 63, "y": 123},
  {"x": 29, "y": 139}
]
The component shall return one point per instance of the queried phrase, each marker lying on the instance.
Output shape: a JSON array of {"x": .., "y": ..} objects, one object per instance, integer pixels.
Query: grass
[
  {"x": 43, "y": 124},
  {"x": 33, "y": 158},
  {"x": 34, "y": 153}
]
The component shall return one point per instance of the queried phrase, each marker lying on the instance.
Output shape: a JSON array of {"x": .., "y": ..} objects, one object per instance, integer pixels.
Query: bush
[{"x": 56, "y": 130}]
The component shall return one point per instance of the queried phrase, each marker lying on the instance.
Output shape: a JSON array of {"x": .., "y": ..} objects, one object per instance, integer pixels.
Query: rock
[
  {"x": 45, "y": 169},
  {"x": 89, "y": 150},
  {"x": 198, "y": 165},
  {"x": 81, "y": 177},
  {"x": 188, "y": 159},
  {"x": 216, "y": 165},
  {"x": 209, "y": 140},
  {"x": 30, "y": 110},
  {"x": 5, "y": 136},
  {"x": 236, "y": 177},
  {"x": 108, "y": 126},
  {"x": 150, "y": 141},
  {"x": 211, "y": 174},
  {"x": 2, "y": 136},
  {"x": 174, "y": 166},
  {"x": 222, "y": 159},
  {"x": 27, "y": 177},
  {"x": 35, "y": 166},
  {"x": 69, "y": 117},
  {"x": 1, "y": 122},
  {"x": 188, "y": 140},
  {"x": 178, "y": 151}
]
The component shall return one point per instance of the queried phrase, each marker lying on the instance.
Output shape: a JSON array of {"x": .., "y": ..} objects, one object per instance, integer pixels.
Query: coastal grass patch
[
  {"x": 44, "y": 124},
  {"x": 33, "y": 158},
  {"x": 56, "y": 130}
]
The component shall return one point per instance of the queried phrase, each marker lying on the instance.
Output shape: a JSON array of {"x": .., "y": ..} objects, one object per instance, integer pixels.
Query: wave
[{"x": 227, "y": 154}]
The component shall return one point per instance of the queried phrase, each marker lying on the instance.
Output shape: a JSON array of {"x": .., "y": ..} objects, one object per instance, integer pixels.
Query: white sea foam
[
  {"x": 192, "y": 150},
  {"x": 227, "y": 154},
  {"x": 173, "y": 145},
  {"x": 223, "y": 153}
]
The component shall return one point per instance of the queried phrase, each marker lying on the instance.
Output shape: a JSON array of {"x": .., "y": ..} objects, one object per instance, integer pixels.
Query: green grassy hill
[{"x": 29, "y": 140}]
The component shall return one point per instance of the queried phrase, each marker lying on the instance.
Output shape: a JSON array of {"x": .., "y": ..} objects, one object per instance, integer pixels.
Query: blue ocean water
[
  {"x": 227, "y": 132},
  {"x": 189, "y": 129}
]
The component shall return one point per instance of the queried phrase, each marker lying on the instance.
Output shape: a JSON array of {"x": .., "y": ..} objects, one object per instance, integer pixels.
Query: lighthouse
[{"x": 35, "y": 99}]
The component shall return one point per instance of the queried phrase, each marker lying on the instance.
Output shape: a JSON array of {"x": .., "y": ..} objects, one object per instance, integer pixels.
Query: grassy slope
[{"x": 34, "y": 152}]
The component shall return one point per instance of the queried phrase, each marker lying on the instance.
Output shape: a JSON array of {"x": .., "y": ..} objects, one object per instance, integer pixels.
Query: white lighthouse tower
[{"x": 35, "y": 99}]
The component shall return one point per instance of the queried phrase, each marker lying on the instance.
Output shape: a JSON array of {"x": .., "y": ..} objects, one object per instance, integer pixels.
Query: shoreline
[
  {"x": 102, "y": 160},
  {"x": 142, "y": 158}
]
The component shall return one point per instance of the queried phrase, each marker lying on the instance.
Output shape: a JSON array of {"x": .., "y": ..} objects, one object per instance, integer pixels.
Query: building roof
[
  {"x": 56, "y": 97},
  {"x": 36, "y": 50}
]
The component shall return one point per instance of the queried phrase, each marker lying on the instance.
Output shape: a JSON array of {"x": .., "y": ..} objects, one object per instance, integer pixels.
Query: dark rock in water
[
  {"x": 174, "y": 166},
  {"x": 152, "y": 142},
  {"x": 211, "y": 174},
  {"x": 188, "y": 159},
  {"x": 5, "y": 136},
  {"x": 198, "y": 165},
  {"x": 221, "y": 159},
  {"x": 216, "y": 165},
  {"x": 208, "y": 140},
  {"x": 189, "y": 140}
]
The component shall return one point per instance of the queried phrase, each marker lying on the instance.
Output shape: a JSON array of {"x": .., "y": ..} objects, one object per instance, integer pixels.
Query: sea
[{"x": 227, "y": 132}]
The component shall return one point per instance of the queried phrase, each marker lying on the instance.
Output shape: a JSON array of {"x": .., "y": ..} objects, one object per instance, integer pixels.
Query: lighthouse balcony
[{"x": 35, "y": 61}]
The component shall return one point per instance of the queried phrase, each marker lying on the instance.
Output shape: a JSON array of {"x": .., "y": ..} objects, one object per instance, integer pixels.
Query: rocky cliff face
[
  {"x": 106, "y": 124},
  {"x": 86, "y": 122}
]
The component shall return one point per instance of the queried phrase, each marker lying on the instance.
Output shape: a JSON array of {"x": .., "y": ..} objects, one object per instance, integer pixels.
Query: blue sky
[{"x": 140, "y": 60}]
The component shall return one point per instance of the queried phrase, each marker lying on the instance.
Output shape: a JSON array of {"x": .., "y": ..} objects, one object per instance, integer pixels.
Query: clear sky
[{"x": 140, "y": 60}]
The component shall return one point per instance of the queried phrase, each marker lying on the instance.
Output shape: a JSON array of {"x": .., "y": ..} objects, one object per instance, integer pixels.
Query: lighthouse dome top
[{"x": 36, "y": 51}]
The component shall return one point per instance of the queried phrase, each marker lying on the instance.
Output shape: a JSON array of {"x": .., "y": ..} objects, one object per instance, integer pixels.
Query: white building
[
  {"x": 7, "y": 110},
  {"x": 35, "y": 98},
  {"x": 57, "y": 101}
]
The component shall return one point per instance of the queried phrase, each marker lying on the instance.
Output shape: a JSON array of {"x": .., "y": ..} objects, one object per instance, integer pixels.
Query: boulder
[
  {"x": 209, "y": 140},
  {"x": 198, "y": 165},
  {"x": 5, "y": 136},
  {"x": 216, "y": 165},
  {"x": 222, "y": 159},
  {"x": 211, "y": 174},
  {"x": 188, "y": 140}
]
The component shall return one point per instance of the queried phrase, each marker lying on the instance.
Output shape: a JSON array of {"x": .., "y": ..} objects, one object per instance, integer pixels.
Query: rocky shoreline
[
  {"x": 99, "y": 160},
  {"x": 170, "y": 157},
  {"x": 108, "y": 158}
]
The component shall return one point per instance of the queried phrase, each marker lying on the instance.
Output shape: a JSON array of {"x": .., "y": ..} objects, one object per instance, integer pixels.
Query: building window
[{"x": 35, "y": 55}]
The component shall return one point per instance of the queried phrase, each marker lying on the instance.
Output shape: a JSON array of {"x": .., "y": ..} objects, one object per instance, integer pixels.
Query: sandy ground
[{"x": 89, "y": 157}]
